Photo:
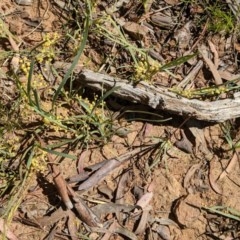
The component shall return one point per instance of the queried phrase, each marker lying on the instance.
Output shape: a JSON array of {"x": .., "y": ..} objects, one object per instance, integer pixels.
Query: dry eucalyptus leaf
[
  {"x": 106, "y": 208},
  {"x": 108, "y": 167},
  {"x": 190, "y": 173},
  {"x": 232, "y": 163},
  {"x": 24, "y": 2},
  {"x": 138, "y": 192},
  {"x": 215, "y": 53},
  {"x": 183, "y": 36},
  {"x": 184, "y": 144},
  {"x": 108, "y": 234},
  {"x": 144, "y": 201},
  {"x": 135, "y": 30},
  {"x": 212, "y": 176},
  {"x": 121, "y": 188},
  {"x": 125, "y": 232},
  {"x": 106, "y": 190},
  {"x": 205, "y": 54},
  {"x": 53, "y": 218},
  {"x": 162, "y": 230},
  {"x": 162, "y": 20},
  {"x": 87, "y": 215},
  {"x": 201, "y": 144},
  {"x": 143, "y": 222},
  {"x": 72, "y": 226},
  {"x": 172, "y": 2},
  {"x": 228, "y": 76}
]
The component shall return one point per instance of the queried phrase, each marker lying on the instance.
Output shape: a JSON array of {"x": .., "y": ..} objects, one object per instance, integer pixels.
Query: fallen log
[
  {"x": 158, "y": 97},
  {"x": 162, "y": 99}
]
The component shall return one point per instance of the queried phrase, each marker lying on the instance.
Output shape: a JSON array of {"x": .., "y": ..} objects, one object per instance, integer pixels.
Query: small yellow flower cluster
[
  {"x": 77, "y": 39},
  {"x": 26, "y": 112},
  {"x": 54, "y": 123},
  {"x": 100, "y": 115},
  {"x": 188, "y": 93},
  {"x": 201, "y": 92},
  {"x": 88, "y": 103},
  {"x": 38, "y": 82},
  {"x": 47, "y": 52},
  {"x": 220, "y": 90},
  {"x": 25, "y": 65},
  {"x": 60, "y": 120},
  {"x": 39, "y": 161},
  {"x": 145, "y": 69},
  {"x": 98, "y": 111}
]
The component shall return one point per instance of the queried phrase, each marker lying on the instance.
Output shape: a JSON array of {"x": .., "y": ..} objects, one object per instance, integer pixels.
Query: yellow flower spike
[
  {"x": 46, "y": 121},
  {"x": 222, "y": 89}
]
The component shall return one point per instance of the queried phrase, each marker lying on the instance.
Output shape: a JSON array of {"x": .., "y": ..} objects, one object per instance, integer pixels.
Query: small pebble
[{"x": 24, "y": 2}]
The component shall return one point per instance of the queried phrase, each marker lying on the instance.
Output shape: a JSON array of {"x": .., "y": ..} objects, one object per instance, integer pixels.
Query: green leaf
[
  {"x": 177, "y": 62},
  {"x": 60, "y": 154},
  {"x": 77, "y": 57}
]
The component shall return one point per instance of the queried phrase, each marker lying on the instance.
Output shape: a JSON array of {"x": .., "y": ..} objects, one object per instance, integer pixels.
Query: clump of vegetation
[
  {"x": 145, "y": 69},
  {"x": 218, "y": 15},
  {"x": 221, "y": 18},
  {"x": 53, "y": 115},
  {"x": 42, "y": 108}
]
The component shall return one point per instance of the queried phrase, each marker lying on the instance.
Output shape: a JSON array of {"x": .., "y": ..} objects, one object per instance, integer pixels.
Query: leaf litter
[{"x": 110, "y": 193}]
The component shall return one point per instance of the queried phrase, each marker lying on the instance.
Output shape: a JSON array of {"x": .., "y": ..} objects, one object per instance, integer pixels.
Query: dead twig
[
  {"x": 65, "y": 192},
  {"x": 203, "y": 50},
  {"x": 58, "y": 179}
]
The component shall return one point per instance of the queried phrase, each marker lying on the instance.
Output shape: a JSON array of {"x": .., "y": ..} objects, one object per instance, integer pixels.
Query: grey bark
[{"x": 162, "y": 99}]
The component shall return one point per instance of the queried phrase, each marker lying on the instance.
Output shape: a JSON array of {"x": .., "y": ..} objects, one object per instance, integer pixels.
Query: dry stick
[
  {"x": 201, "y": 36},
  {"x": 192, "y": 75},
  {"x": 203, "y": 50},
  {"x": 161, "y": 98},
  {"x": 215, "y": 54},
  {"x": 85, "y": 213},
  {"x": 58, "y": 178},
  {"x": 53, "y": 218},
  {"x": 234, "y": 6}
]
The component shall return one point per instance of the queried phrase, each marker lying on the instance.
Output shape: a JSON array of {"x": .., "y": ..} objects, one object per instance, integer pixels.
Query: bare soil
[{"x": 169, "y": 188}]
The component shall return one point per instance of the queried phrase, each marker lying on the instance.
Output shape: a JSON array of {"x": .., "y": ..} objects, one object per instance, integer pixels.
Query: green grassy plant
[
  {"x": 160, "y": 153},
  {"x": 144, "y": 67},
  {"x": 106, "y": 26},
  {"x": 207, "y": 92},
  {"x": 227, "y": 129},
  {"x": 72, "y": 120},
  {"x": 221, "y": 18},
  {"x": 225, "y": 212}
]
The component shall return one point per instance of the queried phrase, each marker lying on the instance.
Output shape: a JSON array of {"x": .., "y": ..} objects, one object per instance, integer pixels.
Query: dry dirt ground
[{"x": 185, "y": 185}]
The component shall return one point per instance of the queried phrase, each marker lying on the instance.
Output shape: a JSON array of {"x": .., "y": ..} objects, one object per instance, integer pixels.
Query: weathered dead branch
[{"x": 162, "y": 99}]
